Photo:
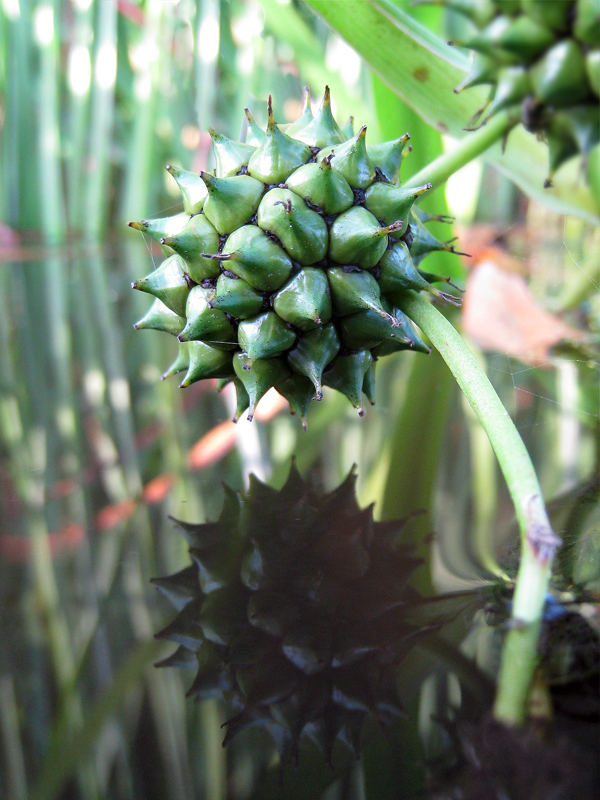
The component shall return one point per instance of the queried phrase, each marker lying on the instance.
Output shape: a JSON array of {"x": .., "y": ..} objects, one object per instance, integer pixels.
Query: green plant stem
[
  {"x": 467, "y": 149},
  {"x": 538, "y": 542}
]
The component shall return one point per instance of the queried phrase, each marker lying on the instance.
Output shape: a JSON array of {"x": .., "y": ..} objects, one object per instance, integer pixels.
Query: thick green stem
[
  {"x": 538, "y": 542},
  {"x": 467, "y": 149}
]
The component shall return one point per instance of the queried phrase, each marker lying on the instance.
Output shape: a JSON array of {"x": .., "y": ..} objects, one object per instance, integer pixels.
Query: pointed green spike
[
  {"x": 369, "y": 383},
  {"x": 230, "y": 156},
  {"x": 387, "y": 156},
  {"x": 352, "y": 160},
  {"x": 313, "y": 351},
  {"x": 559, "y": 77},
  {"x": 348, "y": 128},
  {"x": 305, "y": 301},
  {"x": 367, "y": 329},
  {"x": 161, "y": 318},
  {"x": 255, "y": 136},
  {"x": 251, "y": 255},
  {"x": 207, "y": 324},
  {"x": 241, "y": 395},
  {"x": 483, "y": 70},
  {"x": 412, "y": 340},
  {"x": 179, "y": 588},
  {"x": 193, "y": 189},
  {"x": 486, "y": 41},
  {"x": 198, "y": 237},
  {"x": 354, "y": 290},
  {"x": 213, "y": 677},
  {"x": 513, "y": 86},
  {"x": 299, "y": 392},
  {"x": 160, "y": 228},
  {"x": 181, "y": 363},
  {"x": 393, "y": 203},
  {"x": 258, "y": 376},
  {"x": 525, "y": 39},
  {"x": 168, "y": 283},
  {"x": 278, "y": 155},
  {"x": 424, "y": 242},
  {"x": 321, "y": 186},
  {"x": 231, "y": 202},
  {"x": 398, "y": 275},
  {"x": 347, "y": 373},
  {"x": 356, "y": 237},
  {"x": 265, "y": 336},
  {"x": 236, "y": 297},
  {"x": 302, "y": 232},
  {"x": 223, "y": 614},
  {"x": 184, "y": 629},
  {"x": 305, "y": 117},
  {"x": 323, "y": 130},
  {"x": 206, "y": 362}
]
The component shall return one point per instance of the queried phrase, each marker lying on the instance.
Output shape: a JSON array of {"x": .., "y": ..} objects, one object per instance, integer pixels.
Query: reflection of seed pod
[{"x": 301, "y": 243}]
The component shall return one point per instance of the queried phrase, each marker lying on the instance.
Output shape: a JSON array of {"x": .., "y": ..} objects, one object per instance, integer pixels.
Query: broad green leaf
[{"x": 423, "y": 71}]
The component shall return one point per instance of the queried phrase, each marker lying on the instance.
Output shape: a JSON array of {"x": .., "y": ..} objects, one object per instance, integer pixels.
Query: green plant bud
[
  {"x": 487, "y": 40},
  {"x": 347, "y": 374},
  {"x": 231, "y": 202},
  {"x": 512, "y": 87},
  {"x": 398, "y": 274},
  {"x": 354, "y": 290},
  {"x": 392, "y": 204},
  {"x": 592, "y": 66},
  {"x": 230, "y": 156},
  {"x": 265, "y": 336},
  {"x": 241, "y": 395},
  {"x": 168, "y": 283},
  {"x": 255, "y": 258},
  {"x": 299, "y": 392},
  {"x": 196, "y": 238},
  {"x": 369, "y": 384},
  {"x": 348, "y": 128},
  {"x": 409, "y": 331},
  {"x": 161, "y": 228},
  {"x": 305, "y": 117},
  {"x": 161, "y": 318},
  {"x": 302, "y": 232},
  {"x": 323, "y": 130},
  {"x": 321, "y": 186},
  {"x": 312, "y": 352},
  {"x": 356, "y": 237},
  {"x": 480, "y": 12},
  {"x": 267, "y": 681},
  {"x": 352, "y": 160},
  {"x": 560, "y": 77},
  {"x": 179, "y": 588},
  {"x": 192, "y": 187},
  {"x": 258, "y": 376},
  {"x": 213, "y": 677},
  {"x": 367, "y": 329},
  {"x": 483, "y": 70},
  {"x": 184, "y": 630},
  {"x": 236, "y": 297},
  {"x": 387, "y": 156},
  {"x": 255, "y": 136},
  {"x": 305, "y": 301},
  {"x": 525, "y": 39},
  {"x": 223, "y": 614},
  {"x": 181, "y": 363},
  {"x": 553, "y": 14},
  {"x": 587, "y": 22},
  {"x": 205, "y": 323},
  {"x": 423, "y": 242},
  {"x": 278, "y": 155},
  {"x": 206, "y": 362}
]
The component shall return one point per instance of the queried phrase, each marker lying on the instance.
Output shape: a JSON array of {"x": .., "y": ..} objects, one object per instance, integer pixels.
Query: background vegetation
[{"x": 96, "y": 97}]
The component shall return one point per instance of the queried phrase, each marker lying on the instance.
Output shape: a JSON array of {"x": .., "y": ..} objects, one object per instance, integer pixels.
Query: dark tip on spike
[
  {"x": 327, "y": 95},
  {"x": 250, "y": 416},
  {"x": 163, "y": 240},
  {"x": 362, "y": 132},
  {"x": 361, "y": 411},
  {"x": 136, "y": 327},
  {"x": 271, "y": 122},
  {"x": 134, "y": 284},
  {"x": 319, "y": 395},
  {"x": 548, "y": 183},
  {"x": 304, "y": 425}
]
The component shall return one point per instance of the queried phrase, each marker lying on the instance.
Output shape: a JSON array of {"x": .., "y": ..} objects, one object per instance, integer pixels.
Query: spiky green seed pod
[
  {"x": 295, "y": 610},
  {"x": 291, "y": 259},
  {"x": 539, "y": 57}
]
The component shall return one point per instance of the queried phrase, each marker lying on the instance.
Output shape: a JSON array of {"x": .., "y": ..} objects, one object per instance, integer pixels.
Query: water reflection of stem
[{"x": 538, "y": 541}]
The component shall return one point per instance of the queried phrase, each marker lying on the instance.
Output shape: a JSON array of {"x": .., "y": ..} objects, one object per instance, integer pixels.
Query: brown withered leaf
[{"x": 501, "y": 314}]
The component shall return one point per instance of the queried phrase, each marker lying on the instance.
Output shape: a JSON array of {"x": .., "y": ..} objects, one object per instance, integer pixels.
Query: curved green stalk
[
  {"x": 538, "y": 541},
  {"x": 466, "y": 150}
]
